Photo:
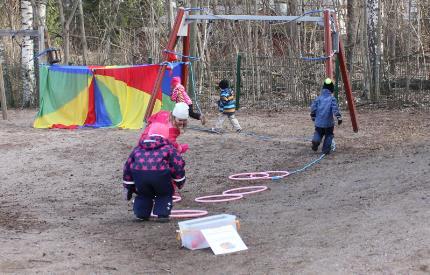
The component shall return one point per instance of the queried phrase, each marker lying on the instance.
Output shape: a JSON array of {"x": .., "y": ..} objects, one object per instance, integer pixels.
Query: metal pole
[
  {"x": 185, "y": 53},
  {"x": 2, "y": 95},
  {"x": 238, "y": 80},
  {"x": 328, "y": 45},
  {"x": 337, "y": 77}
]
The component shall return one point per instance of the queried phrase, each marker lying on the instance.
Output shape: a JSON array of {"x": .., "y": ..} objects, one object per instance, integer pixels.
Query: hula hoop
[
  {"x": 259, "y": 188},
  {"x": 178, "y": 214},
  {"x": 282, "y": 175},
  {"x": 250, "y": 176},
  {"x": 188, "y": 213},
  {"x": 176, "y": 198},
  {"x": 208, "y": 198}
]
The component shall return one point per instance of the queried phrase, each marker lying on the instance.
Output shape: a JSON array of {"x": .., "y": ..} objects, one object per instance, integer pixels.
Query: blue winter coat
[
  {"x": 324, "y": 108},
  {"x": 227, "y": 103}
]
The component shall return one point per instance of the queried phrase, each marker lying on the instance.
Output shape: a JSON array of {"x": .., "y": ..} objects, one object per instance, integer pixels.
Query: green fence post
[
  {"x": 238, "y": 80},
  {"x": 150, "y": 60}
]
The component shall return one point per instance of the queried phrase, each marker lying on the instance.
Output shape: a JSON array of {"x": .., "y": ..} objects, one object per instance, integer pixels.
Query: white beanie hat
[{"x": 181, "y": 110}]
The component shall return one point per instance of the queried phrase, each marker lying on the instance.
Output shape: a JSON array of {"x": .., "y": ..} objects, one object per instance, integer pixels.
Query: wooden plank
[{"x": 2, "y": 95}]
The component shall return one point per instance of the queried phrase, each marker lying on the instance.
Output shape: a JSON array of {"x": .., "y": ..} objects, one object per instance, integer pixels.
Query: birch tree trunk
[{"x": 27, "y": 57}]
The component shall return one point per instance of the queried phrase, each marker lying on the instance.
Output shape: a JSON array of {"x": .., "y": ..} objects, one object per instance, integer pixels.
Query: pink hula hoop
[
  {"x": 259, "y": 188},
  {"x": 185, "y": 213},
  {"x": 188, "y": 213},
  {"x": 249, "y": 176},
  {"x": 176, "y": 198},
  {"x": 208, "y": 198}
]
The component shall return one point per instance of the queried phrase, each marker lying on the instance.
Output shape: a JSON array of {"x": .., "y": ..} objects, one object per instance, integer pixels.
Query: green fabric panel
[
  {"x": 111, "y": 104},
  {"x": 43, "y": 81},
  {"x": 167, "y": 104},
  {"x": 58, "y": 88}
]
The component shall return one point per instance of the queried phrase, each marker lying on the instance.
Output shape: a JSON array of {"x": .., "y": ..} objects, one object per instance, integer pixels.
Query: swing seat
[{"x": 53, "y": 56}]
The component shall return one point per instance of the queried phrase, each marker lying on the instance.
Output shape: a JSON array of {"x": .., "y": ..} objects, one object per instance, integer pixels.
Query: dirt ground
[{"x": 363, "y": 209}]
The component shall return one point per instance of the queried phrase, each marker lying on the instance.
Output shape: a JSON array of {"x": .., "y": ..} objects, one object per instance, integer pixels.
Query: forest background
[{"x": 387, "y": 46}]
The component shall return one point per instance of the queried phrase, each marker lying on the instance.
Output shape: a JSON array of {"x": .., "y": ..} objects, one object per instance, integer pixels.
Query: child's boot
[
  {"x": 163, "y": 219},
  {"x": 203, "y": 119},
  {"x": 315, "y": 145}
]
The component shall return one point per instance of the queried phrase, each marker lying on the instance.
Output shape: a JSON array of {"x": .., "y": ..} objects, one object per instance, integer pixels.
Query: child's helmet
[
  {"x": 328, "y": 84},
  {"x": 223, "y": 84},
  {"x": 181, "y": 110},
  {"x": 175, "y": 80},
  {"x": 158, "y": 129}
]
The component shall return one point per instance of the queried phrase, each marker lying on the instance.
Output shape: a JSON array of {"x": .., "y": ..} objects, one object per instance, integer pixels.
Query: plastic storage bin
[{"x": 190, "y": 234}]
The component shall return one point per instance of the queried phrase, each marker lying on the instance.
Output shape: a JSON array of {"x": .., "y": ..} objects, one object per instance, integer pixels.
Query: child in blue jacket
[
  {"x": 323, "y": 109},
  {"x": 150, "y": 171},
  {"x": 226, "y": 107}
]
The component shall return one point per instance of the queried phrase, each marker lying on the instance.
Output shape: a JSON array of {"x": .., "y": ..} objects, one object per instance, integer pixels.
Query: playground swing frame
[{"x": 181, "y": 29}]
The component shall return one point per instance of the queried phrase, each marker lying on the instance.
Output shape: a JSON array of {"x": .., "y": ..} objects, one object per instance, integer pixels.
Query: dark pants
[
  {"x": 154, "y": 193},
  {"x": 195, "y": 115},
  {"x": 327, "y": 134}
]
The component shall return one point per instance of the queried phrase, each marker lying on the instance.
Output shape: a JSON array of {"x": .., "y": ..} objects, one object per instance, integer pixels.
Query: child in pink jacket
[{"x": 180, "y": 95}]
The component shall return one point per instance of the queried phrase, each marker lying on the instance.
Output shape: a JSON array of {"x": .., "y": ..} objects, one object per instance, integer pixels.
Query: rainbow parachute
[{"x": 100, "y": 96}]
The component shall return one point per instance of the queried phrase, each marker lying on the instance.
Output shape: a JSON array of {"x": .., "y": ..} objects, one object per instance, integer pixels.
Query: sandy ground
[{"x": 364, "y": 209}]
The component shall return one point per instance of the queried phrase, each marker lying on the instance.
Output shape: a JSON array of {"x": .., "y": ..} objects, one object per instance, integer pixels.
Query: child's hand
[{"x": 184, "y": 148}]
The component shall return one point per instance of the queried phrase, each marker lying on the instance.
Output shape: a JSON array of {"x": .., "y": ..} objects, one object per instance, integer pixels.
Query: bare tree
[
  {"x": 66, "y": 27},
  {"x": 83, "y": 36}
]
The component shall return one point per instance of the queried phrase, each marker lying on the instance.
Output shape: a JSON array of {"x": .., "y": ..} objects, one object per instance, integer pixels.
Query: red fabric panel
[
  {"x": 139, "y": 77},
  {"x": 91, "y": 115}
]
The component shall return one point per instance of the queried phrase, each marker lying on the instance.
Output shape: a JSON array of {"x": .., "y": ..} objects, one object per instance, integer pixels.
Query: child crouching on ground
[
  {"x": 150, "y": 171},
  {"x": 323, "y": 109}
]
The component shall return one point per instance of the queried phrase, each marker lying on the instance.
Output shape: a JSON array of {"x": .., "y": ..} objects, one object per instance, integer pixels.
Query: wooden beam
[{"x": 173, "y": 38}]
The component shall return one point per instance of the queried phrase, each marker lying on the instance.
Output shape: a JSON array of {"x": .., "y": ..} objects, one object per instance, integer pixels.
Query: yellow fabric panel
[{"x": 72, "y": 113}]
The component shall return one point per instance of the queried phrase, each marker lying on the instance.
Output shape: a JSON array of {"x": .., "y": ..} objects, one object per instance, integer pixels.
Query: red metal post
[
  {"x": 185, "y": 52},
  {"x": 173, "y": 38},
  {"x": 328, "y": 45},
  {"x": 346, "y": 82}
]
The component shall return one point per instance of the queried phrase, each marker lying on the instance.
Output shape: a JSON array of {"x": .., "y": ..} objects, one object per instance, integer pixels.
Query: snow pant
[
  {"x": 327, "y": 134},
  {"x": 154, "y": 193},
  {"x": 193, "y": 114},
  {"x": 233, "y": 120}
]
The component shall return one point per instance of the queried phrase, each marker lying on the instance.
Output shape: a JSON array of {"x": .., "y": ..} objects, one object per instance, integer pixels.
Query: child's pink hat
[{"x": 175, "y": 80}]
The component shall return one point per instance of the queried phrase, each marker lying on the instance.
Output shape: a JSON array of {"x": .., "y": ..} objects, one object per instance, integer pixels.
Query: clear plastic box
[{"x": 190, "y": 234}]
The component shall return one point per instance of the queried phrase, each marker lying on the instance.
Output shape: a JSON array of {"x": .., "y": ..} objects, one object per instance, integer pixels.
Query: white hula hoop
[
  {"x": 176, "y": 198},
  {"x": 250, "y": 176},
  {"x": 205, "y": 199},
  {"x": 260, "y": 188}
]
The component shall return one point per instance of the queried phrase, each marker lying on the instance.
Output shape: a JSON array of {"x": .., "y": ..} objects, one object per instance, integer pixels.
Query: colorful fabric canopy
[{"x": 97, "y": 96}]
